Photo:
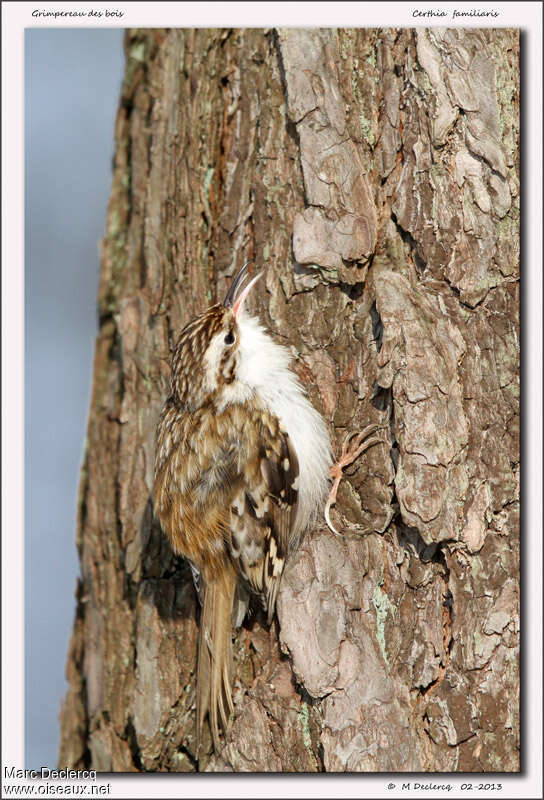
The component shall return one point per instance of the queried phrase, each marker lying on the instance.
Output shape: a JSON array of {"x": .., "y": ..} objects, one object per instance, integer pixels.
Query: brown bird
[{"x": 242, "y": 467}]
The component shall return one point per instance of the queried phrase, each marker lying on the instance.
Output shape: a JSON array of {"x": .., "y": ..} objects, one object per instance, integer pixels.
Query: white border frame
[{"x": 18, "y": 15}]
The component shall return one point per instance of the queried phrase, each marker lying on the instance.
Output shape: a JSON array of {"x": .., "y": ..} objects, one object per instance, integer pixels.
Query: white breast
[{"x": 263, "y": 369}]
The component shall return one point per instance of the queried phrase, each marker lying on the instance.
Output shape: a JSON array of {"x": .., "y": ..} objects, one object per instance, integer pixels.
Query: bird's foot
[{"x": 354, "y": 444}]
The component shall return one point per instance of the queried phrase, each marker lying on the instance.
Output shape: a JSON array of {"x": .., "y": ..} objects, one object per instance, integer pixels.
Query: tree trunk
[{"x": 374, "y": 175}]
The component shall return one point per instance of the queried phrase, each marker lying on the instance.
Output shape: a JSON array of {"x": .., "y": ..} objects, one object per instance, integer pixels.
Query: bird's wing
[{"x": 263, "y": 513}]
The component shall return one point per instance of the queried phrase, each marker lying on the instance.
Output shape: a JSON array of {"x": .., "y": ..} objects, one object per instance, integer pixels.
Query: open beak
[{"x": 236, "y": 295}]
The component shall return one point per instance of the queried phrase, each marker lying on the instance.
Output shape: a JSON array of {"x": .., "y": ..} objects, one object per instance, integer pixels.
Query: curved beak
[{"x": 236, "y": 295}]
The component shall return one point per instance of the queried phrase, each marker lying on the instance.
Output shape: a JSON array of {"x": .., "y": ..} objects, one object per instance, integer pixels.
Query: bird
[{"x": 241, "y": 472}]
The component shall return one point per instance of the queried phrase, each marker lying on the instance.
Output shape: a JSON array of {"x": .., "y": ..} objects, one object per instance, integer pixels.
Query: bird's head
[{"x": 206, "y": 357}]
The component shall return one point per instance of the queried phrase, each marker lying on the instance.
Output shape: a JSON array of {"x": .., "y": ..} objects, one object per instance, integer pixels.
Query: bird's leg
[{"x": 354, "y": 444}]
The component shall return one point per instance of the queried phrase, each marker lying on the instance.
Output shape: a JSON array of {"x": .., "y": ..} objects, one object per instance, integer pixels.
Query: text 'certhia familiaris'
[{"x": 242, "y": 466}]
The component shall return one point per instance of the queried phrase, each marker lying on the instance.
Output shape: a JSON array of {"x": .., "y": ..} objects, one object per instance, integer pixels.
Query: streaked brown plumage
[{"x": 227, "y": 477}]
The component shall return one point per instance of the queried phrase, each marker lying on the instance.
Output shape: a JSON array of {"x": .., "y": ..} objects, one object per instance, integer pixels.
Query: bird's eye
[{"x": 230, "y": 338}]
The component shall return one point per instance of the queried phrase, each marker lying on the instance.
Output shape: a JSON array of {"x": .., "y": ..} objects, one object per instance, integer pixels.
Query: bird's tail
[{"x": 215, "y": 656}]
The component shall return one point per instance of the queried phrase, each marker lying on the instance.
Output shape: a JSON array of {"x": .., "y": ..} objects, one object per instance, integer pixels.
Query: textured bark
[{"x": 374, "y": 174}]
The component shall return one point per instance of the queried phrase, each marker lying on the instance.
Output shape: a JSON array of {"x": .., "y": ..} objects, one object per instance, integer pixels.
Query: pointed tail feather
[{"x": 215, "y": 656}]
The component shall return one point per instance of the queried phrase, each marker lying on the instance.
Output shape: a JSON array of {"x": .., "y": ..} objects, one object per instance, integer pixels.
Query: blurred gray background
[{"x": 72, "y": 85}]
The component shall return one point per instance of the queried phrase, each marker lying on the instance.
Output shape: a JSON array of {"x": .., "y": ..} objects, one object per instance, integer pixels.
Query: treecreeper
[{"x": 241, "y": 470}]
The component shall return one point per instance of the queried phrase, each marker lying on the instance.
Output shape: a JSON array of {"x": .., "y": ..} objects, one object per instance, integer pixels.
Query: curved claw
[{"x": 328, "y": 505}]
